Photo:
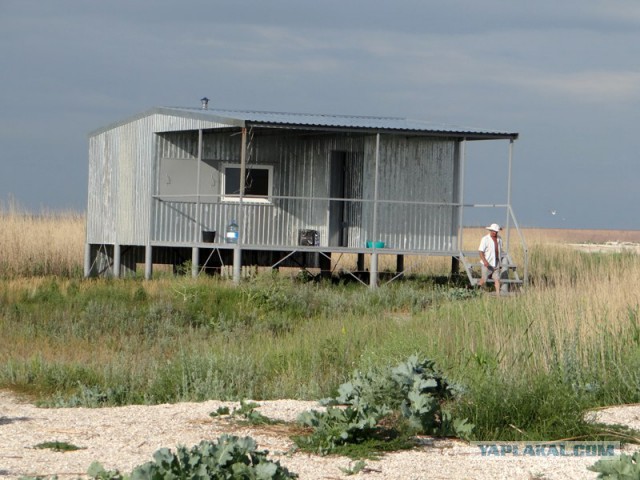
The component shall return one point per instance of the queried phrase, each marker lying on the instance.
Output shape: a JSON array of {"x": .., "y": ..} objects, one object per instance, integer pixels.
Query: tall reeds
[{"x": 48, "y": 243}]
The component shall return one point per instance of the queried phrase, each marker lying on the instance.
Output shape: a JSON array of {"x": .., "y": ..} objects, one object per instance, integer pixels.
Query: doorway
[{"x": 345, "y": 185}]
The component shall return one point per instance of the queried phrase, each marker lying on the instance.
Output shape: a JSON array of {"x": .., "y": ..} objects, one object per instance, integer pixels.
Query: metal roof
[
  {"x": 352, "y": 123},
  {"x": 340, "y": 122}
]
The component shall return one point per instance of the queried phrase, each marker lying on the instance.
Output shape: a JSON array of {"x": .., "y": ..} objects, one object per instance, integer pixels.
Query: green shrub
[
  {"x": 623, "y": 467},
  {"x": 58, "y": 446},
  {"x": 407, "y": 399},
  {"x": 248, "y": 412},
  {"x": 230, "y": 457}
]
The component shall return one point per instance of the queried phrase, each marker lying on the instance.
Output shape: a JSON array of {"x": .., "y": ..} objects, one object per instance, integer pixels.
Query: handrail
[
  {"x": 511, "y": 215},
  {"x": 181, "y": 197},
  {"x": 525, "y": 250}
]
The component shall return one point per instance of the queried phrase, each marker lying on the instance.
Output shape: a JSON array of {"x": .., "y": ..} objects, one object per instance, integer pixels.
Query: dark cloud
[{"x": 563, "y": 74}]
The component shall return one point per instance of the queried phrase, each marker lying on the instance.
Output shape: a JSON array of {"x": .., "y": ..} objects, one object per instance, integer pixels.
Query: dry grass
[
  {"x": 52, "y": 243},
  {"x": 49, "y": 243},
  {"x": 545, "y": 236}
]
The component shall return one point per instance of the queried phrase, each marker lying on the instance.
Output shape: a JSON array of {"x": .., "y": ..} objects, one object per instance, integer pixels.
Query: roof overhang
[{"x": 320, "y": 123}]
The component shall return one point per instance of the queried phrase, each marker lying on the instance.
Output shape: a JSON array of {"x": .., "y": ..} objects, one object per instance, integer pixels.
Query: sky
[{"x": 564, "y": 74}]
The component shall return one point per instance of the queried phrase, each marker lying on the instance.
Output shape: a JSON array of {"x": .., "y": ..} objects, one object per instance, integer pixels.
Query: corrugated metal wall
[
  {"x": 411, "y": 170},
  {"x": 101, "y": 225},
  {"x": 122, "y": 172},
  {"x": 141, "y": 182},
  {"x": 300, "y": 169}
]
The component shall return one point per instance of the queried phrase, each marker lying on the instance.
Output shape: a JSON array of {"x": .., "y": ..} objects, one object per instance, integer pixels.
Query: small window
[{"x": 257, "y": 186}]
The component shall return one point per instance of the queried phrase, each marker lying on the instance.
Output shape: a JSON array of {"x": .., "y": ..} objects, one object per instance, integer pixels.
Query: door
[{"x": 345, "y": 183}]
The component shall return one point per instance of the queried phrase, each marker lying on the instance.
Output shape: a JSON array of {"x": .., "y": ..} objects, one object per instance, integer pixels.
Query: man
[{"x": 490, "y": 251}]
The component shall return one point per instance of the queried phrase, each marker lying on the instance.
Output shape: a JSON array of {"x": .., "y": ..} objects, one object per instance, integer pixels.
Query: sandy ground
[
  {"x": 608, "y": 247},
  {"x": 124, "y": 437}
]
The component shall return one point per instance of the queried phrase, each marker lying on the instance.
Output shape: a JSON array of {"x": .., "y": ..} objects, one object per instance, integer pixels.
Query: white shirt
[{"x": 488, "y": 248}]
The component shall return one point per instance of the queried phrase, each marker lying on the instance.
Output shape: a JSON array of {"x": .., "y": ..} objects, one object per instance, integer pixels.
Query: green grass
[{"x": 530, "y": 364}]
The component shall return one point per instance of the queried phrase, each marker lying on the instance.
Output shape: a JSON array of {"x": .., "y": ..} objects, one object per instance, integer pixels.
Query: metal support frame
[
  {"x": 148, "y": 262},
  {"x": 117, "y": 260},
  {"x": 237, "y": 250},
  {"x": 462, "y": 158},
  {"x": 87, "y": 260},
  {"x": 197, "y": 225},
  {"x": 204, "y": 264},
  {"x": 102, "y": 248},
  {"x": 509, "y": 213},
  {"x": 195, "y": 261},
  {"x": 373, "y": 266},
  {"x": 195, "y": 251}
]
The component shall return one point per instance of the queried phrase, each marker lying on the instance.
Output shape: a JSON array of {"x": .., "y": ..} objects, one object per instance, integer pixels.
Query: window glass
[
  {"x": 257, "y": 182},
  {"x": 231, "y": 181}
]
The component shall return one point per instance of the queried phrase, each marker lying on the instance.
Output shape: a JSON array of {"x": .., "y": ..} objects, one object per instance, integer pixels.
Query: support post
[
  {"x": 508, "y": 220},
  {"x": 197, "y": 226},
  {"x": 117, "y": 250},
  {"x": 195, "y": 261},
  {"x": 462, "y": 161},
  {"x": 237, "y": 248},
  {"x": 148, "y": 262},
  {"x": 373, "y": 267},
  {"x": 237, "y": 264},
  {"x": 455, "y": 266},
  {"x": 400, "y": 266},
  {"x": 325, "y": 265},
  {"x": 87, "y": 260},
  {"x": 373, "y": 271}
]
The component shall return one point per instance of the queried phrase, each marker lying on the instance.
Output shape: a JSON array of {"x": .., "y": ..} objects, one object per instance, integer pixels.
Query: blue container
[
  {"x": 231, "y": 235},
  {"x": 375, "y": 244}
]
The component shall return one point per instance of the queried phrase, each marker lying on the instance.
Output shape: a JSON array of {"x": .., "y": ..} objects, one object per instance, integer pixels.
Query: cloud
[
  {"x": 547, "y": 69},
  {"x": 598, "y": 87}
]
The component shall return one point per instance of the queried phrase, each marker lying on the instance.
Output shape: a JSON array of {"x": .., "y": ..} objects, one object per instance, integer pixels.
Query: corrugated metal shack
[{"x": 164, "y": 186}]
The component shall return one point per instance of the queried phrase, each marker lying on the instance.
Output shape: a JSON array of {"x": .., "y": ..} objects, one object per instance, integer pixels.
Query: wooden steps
[{"x": 509, "y": 277}]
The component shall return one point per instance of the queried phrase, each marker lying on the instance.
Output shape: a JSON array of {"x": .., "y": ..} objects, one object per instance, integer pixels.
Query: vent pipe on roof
[{"x": 205, "y": 103}]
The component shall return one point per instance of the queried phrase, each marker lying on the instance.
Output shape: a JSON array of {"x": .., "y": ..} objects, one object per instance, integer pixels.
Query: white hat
[{"x": 494, "y": 227}]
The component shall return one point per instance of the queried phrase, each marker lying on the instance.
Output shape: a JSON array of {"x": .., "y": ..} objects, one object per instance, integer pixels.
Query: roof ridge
[{"x": 300, "y": 114}]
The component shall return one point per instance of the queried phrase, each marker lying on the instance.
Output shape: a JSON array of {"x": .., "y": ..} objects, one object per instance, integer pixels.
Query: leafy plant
[
  {"x": 98, "y": 472},
  {"x": 355, "y": 469},
  {"x": 246, "y": 410},
  {"x": 220, "y": 411},
  {"x": 230, "y": 457},
  {"x": 54, "y": 477},
  {"x": 406, "y": 399},
  {"x": 623, "y": 467},
  {"x": 338, "y": 426},
  {"x": 57, "y": 446}
]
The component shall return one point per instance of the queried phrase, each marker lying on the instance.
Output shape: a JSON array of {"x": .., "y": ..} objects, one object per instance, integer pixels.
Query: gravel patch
[
  {"x": 124, "y": 437},
  {"x": 607, "y": 247}
]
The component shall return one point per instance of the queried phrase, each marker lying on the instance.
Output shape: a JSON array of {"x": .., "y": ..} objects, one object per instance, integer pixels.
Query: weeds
[
  {"x": 354, "y": 469},
  {"x": 247, "y": 411},
  {"x": 57, "y": 446}
]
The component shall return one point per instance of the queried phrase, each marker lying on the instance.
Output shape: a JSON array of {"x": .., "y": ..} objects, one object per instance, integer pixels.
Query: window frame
[{"x": 232, "y": 198}]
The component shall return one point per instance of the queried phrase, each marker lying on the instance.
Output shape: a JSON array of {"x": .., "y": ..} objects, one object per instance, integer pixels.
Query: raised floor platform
[{"x": 122, "y": 260}]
